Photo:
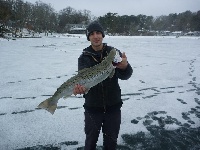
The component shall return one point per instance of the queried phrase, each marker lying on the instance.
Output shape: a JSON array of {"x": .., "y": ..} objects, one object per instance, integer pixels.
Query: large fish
[{"x": 87, "y": 77}]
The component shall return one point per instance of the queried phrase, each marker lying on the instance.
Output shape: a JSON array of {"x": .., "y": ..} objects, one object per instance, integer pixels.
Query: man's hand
[
  {"x": 123, "y": 64},
  {"x": 79, "y": 89}
]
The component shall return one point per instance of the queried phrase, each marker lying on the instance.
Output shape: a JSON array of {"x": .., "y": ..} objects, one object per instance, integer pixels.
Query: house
[
  {"x": 177, "y": 33},
  {"x": 76, "y": 28}
]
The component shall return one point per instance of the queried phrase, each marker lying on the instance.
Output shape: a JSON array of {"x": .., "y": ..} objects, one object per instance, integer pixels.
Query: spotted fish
[{"x": 87, "y": 77}]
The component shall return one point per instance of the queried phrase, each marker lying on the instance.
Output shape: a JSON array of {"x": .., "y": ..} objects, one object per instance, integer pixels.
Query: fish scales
[{"x": 87, "y": 77}]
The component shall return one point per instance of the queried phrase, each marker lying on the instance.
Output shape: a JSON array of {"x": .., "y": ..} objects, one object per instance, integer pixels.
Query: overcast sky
[{"x": 126, "y": 7}]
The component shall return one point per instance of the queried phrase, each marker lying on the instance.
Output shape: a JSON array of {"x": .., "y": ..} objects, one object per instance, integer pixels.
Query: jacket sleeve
[{"x": 124, "y": 74}]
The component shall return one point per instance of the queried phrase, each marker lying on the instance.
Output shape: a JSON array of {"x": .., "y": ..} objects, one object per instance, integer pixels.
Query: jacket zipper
[
  {"x": 104, "y": 103},
  {"x": 103, "y": 95}
]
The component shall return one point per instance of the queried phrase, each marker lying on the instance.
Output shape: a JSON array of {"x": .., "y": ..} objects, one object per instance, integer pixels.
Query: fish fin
[
  {"x": 50, "y": 107},
  {"x": 112, "y": 73}
]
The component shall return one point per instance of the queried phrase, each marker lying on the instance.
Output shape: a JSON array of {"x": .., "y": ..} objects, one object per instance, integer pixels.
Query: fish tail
[{"x": 48, "y": 105}]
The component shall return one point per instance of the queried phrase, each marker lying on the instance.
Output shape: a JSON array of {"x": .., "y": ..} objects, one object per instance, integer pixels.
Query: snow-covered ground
[{"x": 165, "y": 82}]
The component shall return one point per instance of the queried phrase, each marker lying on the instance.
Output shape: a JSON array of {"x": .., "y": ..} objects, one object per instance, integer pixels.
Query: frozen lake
[{"x": 161, "y": 99}]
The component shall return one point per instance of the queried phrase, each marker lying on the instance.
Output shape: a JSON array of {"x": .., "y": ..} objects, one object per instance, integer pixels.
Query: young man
[{"x": 103, "y": 101}]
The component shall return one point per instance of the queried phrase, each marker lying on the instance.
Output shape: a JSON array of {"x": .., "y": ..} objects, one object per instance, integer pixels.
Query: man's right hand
[{"x": 79, "y": 89}]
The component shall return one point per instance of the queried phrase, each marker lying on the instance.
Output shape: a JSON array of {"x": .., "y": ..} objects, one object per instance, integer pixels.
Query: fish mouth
[{"x": 114, "y": 64}]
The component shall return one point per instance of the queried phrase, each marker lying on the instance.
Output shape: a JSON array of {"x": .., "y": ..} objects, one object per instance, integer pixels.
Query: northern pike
[{"x": 87, "y": 77}]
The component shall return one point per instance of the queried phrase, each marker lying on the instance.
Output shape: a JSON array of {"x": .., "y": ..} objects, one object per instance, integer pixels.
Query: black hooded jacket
[{"x": 107, "y": 94}]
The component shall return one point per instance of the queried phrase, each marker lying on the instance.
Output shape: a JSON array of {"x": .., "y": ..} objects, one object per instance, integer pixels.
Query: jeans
[{"x": 110, "y": 124}]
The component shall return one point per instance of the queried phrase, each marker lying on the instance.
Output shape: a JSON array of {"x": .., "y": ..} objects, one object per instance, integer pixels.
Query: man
[{"x": 103, "y": 101}]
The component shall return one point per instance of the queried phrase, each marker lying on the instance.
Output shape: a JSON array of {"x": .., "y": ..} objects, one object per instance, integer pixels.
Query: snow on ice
[{"x": 163, "y": 90}]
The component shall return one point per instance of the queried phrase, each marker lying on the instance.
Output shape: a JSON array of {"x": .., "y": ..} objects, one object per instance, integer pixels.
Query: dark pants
[{"x": 110, "y": 124}]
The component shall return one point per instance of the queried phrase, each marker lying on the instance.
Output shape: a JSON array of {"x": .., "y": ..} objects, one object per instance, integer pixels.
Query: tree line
[
  {"x": 40, "y": 17},
  {"x": 134, "y": 25}
]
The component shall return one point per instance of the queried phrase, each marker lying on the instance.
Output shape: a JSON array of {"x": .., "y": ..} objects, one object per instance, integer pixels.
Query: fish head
[{"x": 116, "y": 59}]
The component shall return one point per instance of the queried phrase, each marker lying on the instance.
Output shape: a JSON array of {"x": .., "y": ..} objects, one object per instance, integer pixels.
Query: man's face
[{"x": 96, "y": 38}]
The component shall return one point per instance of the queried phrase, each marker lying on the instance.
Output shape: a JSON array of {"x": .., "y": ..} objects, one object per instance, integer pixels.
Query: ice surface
[{"x": 166, "y": 77}]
